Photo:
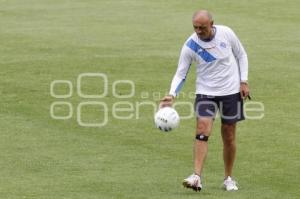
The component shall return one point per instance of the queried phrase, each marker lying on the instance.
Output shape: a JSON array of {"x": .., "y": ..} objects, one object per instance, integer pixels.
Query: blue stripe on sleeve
[
  {"x": 179, "y": 86},
  {"x": 206, "y": 56}
]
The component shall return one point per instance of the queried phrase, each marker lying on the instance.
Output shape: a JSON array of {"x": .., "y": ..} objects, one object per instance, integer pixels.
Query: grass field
[{"x": 138, "y": 40}]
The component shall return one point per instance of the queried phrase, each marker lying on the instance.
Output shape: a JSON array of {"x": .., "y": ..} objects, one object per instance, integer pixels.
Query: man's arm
[
  {"x": 242, "y": 61},
  {"x": 178, "y": 80}
]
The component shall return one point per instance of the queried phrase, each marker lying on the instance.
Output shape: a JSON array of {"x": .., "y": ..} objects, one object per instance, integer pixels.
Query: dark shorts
[{"x": 230, "y": 107}]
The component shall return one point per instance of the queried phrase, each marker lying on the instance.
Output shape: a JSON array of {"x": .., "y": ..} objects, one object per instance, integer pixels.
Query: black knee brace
[{"x": 202, "y": 137}]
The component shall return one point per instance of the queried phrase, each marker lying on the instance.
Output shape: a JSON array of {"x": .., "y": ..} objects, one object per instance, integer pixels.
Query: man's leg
[
  {"x": 229, "y": 147},
  {"x": 231, "y": 108},
  {"x": 203, "y": 130},
  {"x": 205, "y": 108},
  {"x": 204, "y": 127}
]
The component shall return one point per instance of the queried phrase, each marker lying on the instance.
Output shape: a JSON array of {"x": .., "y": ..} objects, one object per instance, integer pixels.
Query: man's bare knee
[
  {"x": 228, "y": 133},
  {"x": 204, "y": 126}
]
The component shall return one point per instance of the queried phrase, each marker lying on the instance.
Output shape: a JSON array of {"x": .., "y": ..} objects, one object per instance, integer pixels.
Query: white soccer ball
[{"x": 166, "y": 119}]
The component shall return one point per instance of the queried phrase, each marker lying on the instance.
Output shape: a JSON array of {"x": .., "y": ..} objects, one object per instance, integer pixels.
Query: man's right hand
[{"x": 166, "y": 101}]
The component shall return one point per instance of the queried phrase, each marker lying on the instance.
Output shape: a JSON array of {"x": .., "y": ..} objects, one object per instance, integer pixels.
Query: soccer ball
[{"x": 166, "y": 119}]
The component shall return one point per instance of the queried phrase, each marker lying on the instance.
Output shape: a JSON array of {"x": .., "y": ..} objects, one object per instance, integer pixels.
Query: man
[{"x": 221, "y": 85}]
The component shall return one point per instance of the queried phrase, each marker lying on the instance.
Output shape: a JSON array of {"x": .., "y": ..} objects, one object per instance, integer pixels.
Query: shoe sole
[
  {"x": 231, "y": 189},
  {"x": 188, "y": 186}
]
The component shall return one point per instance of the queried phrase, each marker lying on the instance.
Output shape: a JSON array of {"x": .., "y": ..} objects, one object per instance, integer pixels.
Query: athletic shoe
[
  {"x": 230, "y": 184},
  {"x": 193, "y": 182}
]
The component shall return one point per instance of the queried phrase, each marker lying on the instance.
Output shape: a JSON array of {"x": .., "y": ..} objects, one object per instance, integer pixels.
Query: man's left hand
[{"x": 244, "y": 90}]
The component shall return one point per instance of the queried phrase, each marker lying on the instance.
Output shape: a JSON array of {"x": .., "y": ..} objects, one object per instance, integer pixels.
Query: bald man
[{"x": 221, "y": 85}]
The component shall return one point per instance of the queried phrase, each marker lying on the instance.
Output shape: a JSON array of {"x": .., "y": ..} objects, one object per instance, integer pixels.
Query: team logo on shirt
[
  {"x": 199, "y": 50},
  {"x": 223, "y": 45}
]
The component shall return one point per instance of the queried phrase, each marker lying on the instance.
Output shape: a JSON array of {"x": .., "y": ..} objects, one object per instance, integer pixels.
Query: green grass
[{"x": 46, "y": 40}]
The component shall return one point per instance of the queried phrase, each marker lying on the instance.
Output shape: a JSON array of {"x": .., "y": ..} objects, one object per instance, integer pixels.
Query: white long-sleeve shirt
[{"x": 221, "y": 63}]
